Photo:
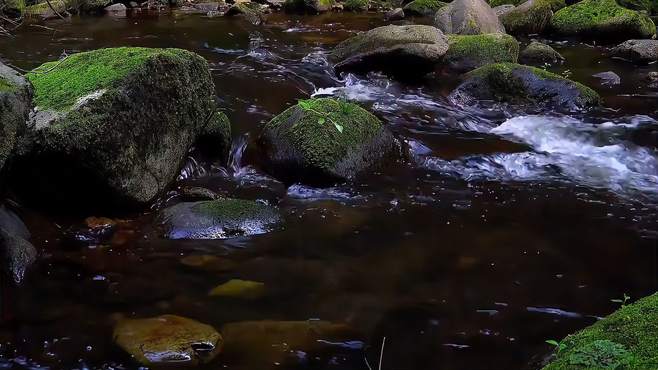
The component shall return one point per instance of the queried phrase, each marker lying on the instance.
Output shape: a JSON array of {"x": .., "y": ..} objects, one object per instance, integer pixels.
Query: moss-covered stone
[
  {"x": 425, "y": 8},
  {"x": 531, "y": 17},
  {"x": 15, "y": 103},
  {"x": 219, "y": 219},
  {"x": 308, "y": 6},
  {"x": 624, "y": 340},
  {"x": 602, "y": 19},
  {"x": 324, "y": 139},
  {"x": 538, "y": 53},
  {"x": 43, "y": 10},
  {"x": 356, "y": 5},
  {"x": 252, "y": 11},
  {"x": 115, "y": 125},
  {"x": 495, "y": 3},
  {"x": 518, "y": 84},
  {"x": 468, "y": 52}
]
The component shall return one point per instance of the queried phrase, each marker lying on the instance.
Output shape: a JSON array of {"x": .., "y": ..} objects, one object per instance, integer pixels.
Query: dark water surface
[{"x": 501, "y": 231}]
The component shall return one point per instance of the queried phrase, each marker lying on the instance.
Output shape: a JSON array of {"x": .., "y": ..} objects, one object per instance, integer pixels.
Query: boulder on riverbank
[
  {"x": 468, "y": 52},
  {"x": 308, "y": 6},
  {"x": 114, "y": 126},
  {"x": 531, "y": 17},
  {"x": 321, "y": 140},
  {"x": 15, "y": 104},
  {"x": 624, "y": 340},
  {"x": 602, "y": 19},
  {"x": 425, "y": 8},
  {"x": 219, "y": 219},
  {"x": 518, "y": 84},
  {"x": 639, "y": 51},
  {"x": 468, "y": 17},
  {"x": 405, "y": 50},
  {"x": 539, "y": 53}
]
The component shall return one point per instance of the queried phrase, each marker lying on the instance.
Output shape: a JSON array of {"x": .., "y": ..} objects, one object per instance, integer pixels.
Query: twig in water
[
  {"x": 381, "y": 356},
  {"x": 35, "y": 71}
]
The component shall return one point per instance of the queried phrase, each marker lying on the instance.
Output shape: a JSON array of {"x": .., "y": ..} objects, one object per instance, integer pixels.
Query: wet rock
[
  {"x": 538, "y": 53},
  {"x": 237, "y": 288},
  {"x": 198, "y": 193},
  {"x": 602, "y": 19},
  {"x": 253, "y": 12},
  {"x": 116, "y": 9},
  {"x": 168, "y": 340},
  {"x": 13, "y": 224},
  {"x": 608, "y": 78},
  {"x": 15, "y": 101},
  {"x": 652, "y": 77},
  {"x": 518, "y": 84},
  {"x": 356, "y": 5},
  {"x": 468, "y": 52},
  {"x": 500, "y": 10},
  {"x": 468, "y": 17},
  {"x": 412, "y": 49},
  {"x": 207, "y": 7},
  {"x": 208, "y": 262},
  {"x": 308, "y": 6},
  {"x": 639, "y": 51},
  {"x": 219, "y": 219},
  {"x": 114, "y": 126},
  {"x": 394, "y": 14},
  {"x": 322, "y": 140},
  {"x": 531, "y": 17},
  {"x": 44, "y": 11},
  {"x": 16, "y": 252},
  {"x": 426, "y": 8}
]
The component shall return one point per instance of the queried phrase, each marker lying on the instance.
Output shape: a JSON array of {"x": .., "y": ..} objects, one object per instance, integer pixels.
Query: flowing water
[{"x": 503, "y": 228}]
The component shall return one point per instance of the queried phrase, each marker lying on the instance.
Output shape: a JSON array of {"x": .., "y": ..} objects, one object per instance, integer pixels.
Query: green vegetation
[
  {"x": 482, "y": 49},
  {"x": 356, "y": 5},
  {"x": 58, "y": 85},
  {"x": 602, "y": 16},
  {"x": 495, "y": 3},
  {"x": 6, "y": 86},
  {"x": 232, "y": 209},
  {"x": 624, "y": 340},
  {"x": 424, "y": 7}
]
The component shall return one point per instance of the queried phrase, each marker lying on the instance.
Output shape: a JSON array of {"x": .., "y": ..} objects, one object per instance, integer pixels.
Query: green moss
[
  {"x": 311, "y": 130},
  {"x": 356, "y": 5},
  {"x": 482, "y": 49},
  {"x": 602, "y": 16},
  {"x": 58, "y": 85},
  {"x": 495, "y": 3},
  {"x": 624, "y": 340},
  {"x": 231, "y": 209},
  {"x": 424, "y": 7},
  {"x": 42, "y": 8},
  {"x": 530, "y": 17},
  {"x": 6, "y": 86}
]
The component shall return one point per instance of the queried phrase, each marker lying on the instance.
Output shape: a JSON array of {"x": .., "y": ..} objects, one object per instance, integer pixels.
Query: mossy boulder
[
  {"x": 624, "y": 340},
  {"x": 219, "y": 219},
  {"x": 44, "y": 11},
  {"x": 519, "y": 84},
  {"x": 468, "y": 17},
  {"x": 531, "y": 17},
  {"x": 639, "y": 51},
  {"x": 324, "y": 139},
  {"x": 168, "y": 341},
  {"x": 308, "y": 6},
  {"x": 114, "y": 126},
  {"x": 649, "y": 6},
  {"x": 356, "y": 5},
  {"x": 497, "y": 3},
  {"x": 413, "y": 49},
  {"x": 426, "y": 8},
  {"x": 15, "y": 104},
  {"x": 602, "y": 19},
  {"x": 251, "y": 11},
  {"x": 539, "y": 54},
  {"x": 468, "y": 52}
]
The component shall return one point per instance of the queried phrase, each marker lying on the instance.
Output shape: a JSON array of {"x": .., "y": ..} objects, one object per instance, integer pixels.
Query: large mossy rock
[
  {"x": 324, "y": 139},
  {"x": 531, "y": 17},
  {"x": 624, "y": 340},
  {"x": 407, "y": 50},
  {"x": 602, "y": 19},
  {"x": 219, "y": 219},
  {"x": 639, "y": 51},
  {"x": 468, "y": 52},
  {"x": 116, "y": 125},
  {"x": 168, "y": 341},
  {"x": 308, "y": 6},
  {"x": 15, "y": 105},
  {"x": 426, "y": 8},
  {"x": 468, "y": 17},
  {"x": 518, "y": 84},
  {"x": 538, "y": 53}
]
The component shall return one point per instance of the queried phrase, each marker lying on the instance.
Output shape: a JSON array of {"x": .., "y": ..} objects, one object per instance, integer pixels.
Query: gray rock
[
  {"x": 133, "y": 4},
  {"x": 414, "y": 49},
  {"x": 531, "y": 17},
  {"x": 253, "y": 12},
  {"x": 639, "y": 51},
  {"x": 124, "y": 141},
  {"x": 468, "y": 17},
  {"x": 10, "y": 222},
  {"x": 608, "y": 78},
  {"x": 15, "y": 104},
  {"x": 207, "y": 7},
  {"x": 523, "y": 85},
  {"x": 503, "y": 9},
  {"x": 468, "y": 52},
  {"x": 219, "y": 219},
  {"x": 116, "y": 8},
  {"x": 394, "y": 14},
  {"x": 652, "y": 78},
  {"x": 16, "y": 252},
  {"x": 538, "y": 53}
]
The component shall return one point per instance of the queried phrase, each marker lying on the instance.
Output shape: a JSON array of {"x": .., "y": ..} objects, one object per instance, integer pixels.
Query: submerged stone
[
  {"x": 324, "y": 139},
  {"x": 468, "y": 17},
  {"x": 15, "y": 104},
  {"x": 519, "y": 84},
  {"x": 407, "y": 50},
  {"x": 237, "y": 288},
  {"x": 539, "y": 54},
  {"x": 639, "y": 51},
  {"x": 219, "y": 219},
  {"x": 424, "y": 7},
  {"x": 468, "y": 52},
  {"x": 602, "y": 19},
  {"x": 608, "y": 78},
  {"x": 115, "y": 125},
  {"x": 168, "y": 340}
]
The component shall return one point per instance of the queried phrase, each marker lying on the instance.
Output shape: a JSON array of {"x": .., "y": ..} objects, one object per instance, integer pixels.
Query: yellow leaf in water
[{"x": 237, "y": 288}]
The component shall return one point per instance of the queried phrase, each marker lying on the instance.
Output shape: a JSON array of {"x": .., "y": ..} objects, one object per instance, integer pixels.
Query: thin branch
[
  {"x": 36, "y": 71},
  {"x": 53, "y": 9}
]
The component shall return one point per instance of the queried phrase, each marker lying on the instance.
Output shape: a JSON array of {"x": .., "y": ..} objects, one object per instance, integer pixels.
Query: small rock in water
[
  {"x": 639, "y": 51},
  {"x": 198, "y": 193},
  {"x": 208, "y": 262},
  {"x": 608, "y": 78},
  {"x": 116, "y": 9},
  {"x": 168, "y": 340},
  {"x": 394, "y": 15},
  {"x": 237, "y": 288},
  {"x": 539, "y": 53}
]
